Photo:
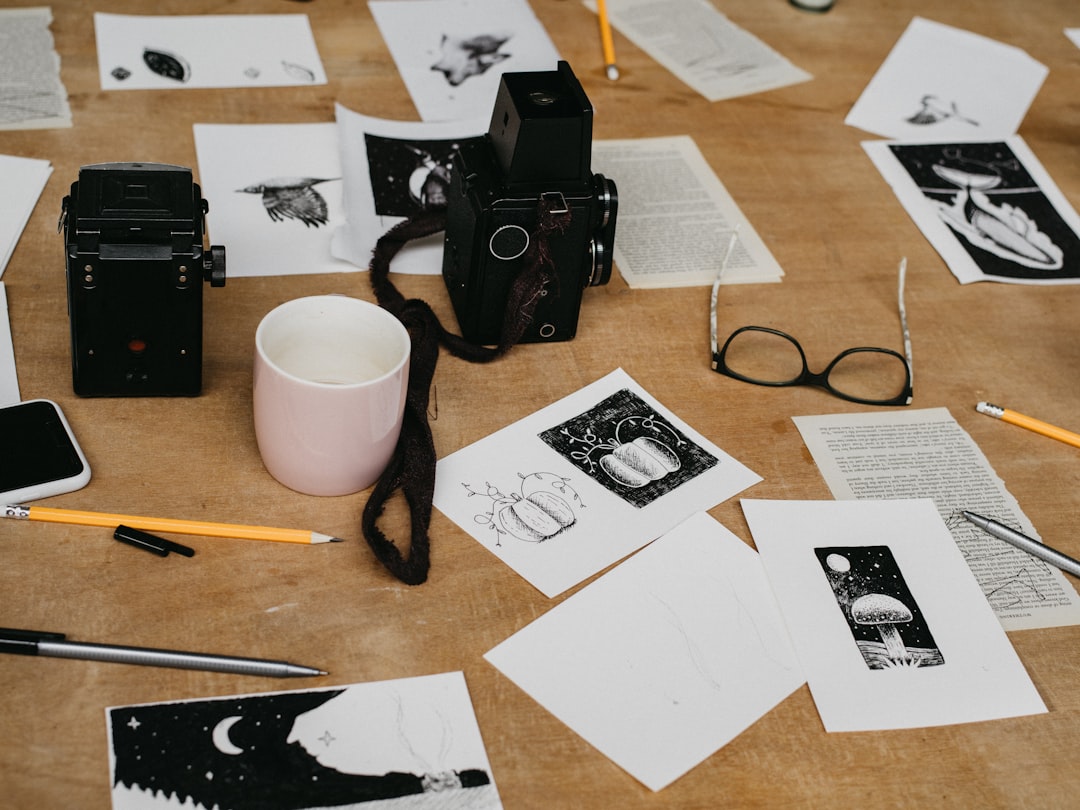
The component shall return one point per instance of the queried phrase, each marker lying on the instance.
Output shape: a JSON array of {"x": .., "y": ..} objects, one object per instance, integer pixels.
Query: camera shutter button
[{"x": 508, "y": 242}]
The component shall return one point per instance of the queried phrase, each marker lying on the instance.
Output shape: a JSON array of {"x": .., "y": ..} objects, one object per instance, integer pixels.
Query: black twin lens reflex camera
[
  {"x": 136, "y": 264},
  {"x": 538, "y": 145}
]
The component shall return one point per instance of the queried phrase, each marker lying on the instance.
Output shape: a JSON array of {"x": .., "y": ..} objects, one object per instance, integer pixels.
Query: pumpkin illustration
[
  {"x": 637, "y": 463},
  {"x": 537, "y": 517}
]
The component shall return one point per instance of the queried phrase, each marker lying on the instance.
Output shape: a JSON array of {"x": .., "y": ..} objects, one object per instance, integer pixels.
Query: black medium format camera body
[
  {"x": 136, "y": 263},
  {"x": 538, "y": 147}
]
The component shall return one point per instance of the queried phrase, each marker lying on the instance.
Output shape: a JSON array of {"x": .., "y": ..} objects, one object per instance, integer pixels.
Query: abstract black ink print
[
  {"x": 462, "y": 57},
  {"x": 541, "y": 507},
  {"x": 168, "y": 65},
  {"x": 241, "y": 753},
  {"x": 292, "y": 198},
  {"x": 933, "y": 110},
  {"x": 409, "y": 176},
  {"x": 630, "y": 449},
  {"x": 1000, "y": 215},
  {"x": 885, "y": 621}
]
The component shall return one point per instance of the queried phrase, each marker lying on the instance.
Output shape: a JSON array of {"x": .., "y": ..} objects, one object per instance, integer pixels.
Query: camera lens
[{"x": 542, "y": 98}]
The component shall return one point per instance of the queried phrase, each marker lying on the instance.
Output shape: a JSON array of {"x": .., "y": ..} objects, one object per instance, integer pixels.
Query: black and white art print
[
  {"x": 411, "y": 744},
  {"x": 891, "y": 628},
  {"x": 629, "y": 448},
  {"x": 944, "y": 83},
  {"x": 452, "y": 53},
  {"x": 162, "y": 52},
  {"x": 576, "y": 486},
  {"x": 988, "y": 207},
  {"x": 884, "y": 618},
  {"x": 275, "y": 195},
  {"x": 391, "y": 170}
]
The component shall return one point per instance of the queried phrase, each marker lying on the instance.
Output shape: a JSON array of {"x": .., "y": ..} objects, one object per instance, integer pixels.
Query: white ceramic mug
[{"x": 330, "y": 378}]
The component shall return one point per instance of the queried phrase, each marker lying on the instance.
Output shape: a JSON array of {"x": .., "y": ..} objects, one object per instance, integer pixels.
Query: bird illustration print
[{"x": 292, "y": 198}]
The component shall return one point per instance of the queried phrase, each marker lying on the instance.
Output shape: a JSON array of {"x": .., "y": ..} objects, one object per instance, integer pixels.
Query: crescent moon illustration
[{"x": 221, "y": 736}]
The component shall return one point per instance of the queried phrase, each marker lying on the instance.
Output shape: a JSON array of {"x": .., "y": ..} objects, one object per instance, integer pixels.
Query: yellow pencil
[
  {"x": 151, "y": 524},
  {"x": 1034, "y": 425},
  {"x": 605, "y": 40}
]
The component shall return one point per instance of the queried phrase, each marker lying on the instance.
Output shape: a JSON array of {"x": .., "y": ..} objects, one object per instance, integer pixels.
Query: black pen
[
  {"x": 1025, "y": 543},
  {"x": 32, "y": 642}
]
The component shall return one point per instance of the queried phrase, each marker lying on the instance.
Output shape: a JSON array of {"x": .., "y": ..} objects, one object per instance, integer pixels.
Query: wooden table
[{"x": 800, "y": 177}]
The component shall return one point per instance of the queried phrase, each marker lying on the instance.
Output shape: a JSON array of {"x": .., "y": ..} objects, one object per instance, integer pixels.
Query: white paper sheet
[
  {"x": 940, "y": 82},
  {"x": 664, "y": 659},
  {"x": 31, "y": 95},
  {"x": 1074, "y": 35},
  {"x": 358, "y": 743},
  {"x": 451, "y": 54},
  {"x": 275, "y": 196},
  {"x": 890, "y": 627},
  {"x": 581, "y": 483},
  {"x": 390, "y": 168},
  {"x": 218, "y": 50},
  {"x": 660, "y": 241},
  {"x": 924, "y": 453},
  {"x": 702, "y": 47},
  {"x": 988, "y": 207},
  {"x": 22, "y": 180},
  {"x": 9, "y": 379}
]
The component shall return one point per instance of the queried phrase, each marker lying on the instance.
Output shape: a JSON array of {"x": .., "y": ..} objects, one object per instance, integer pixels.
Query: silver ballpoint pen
[
  {"x": 32, "y": 642},
  {"x": 1025, "y": 543}
]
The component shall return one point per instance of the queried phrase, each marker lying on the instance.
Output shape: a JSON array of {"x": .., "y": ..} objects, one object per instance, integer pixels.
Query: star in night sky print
[
  {"x": 409, "y": 176},
  {"x": 883, "y": 616},
  {"x": 260, "y": 753}
]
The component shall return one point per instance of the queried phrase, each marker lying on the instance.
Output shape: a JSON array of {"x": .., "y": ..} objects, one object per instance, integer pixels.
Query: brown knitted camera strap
[{"x": 412, "y": 466}]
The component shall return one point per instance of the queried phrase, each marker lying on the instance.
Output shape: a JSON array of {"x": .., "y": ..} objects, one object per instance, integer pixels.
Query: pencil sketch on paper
[
  {"x": 629, "y": 448},
  {"x": 462, "y": 57},
  {"x": 305, "y": 749},
  {"x": 408, "y": 176},
  {"x": 168, "y": 65},
  {"x": 885, "y": 621},
  {"x": 933, "y": 110},
  {"x": 538, "y": 510},
  {"x": 292, "y": 198},
  {"x": 1001, "y": 216},
  {"x": 1007, "y": 587},
  {"x": 297, "y": 71}
]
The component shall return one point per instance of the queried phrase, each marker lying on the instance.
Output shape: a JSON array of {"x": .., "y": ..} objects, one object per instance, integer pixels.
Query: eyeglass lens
[{"x": 771, "y": 358}]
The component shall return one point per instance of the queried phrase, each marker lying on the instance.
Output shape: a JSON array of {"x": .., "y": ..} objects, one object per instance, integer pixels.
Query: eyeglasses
[{"x": 764, "y": 356}]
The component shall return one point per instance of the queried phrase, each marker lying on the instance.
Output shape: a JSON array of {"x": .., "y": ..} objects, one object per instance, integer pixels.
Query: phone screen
[{"x": 35, "y": 447}]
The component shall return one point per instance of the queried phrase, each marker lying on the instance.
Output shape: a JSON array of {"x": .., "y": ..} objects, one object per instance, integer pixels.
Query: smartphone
[{"x": 39, "y": 455}]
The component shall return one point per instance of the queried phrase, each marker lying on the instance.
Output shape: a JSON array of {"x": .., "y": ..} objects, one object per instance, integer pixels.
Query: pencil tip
[
  {"x": 612, "y": 72},
  {"x": 337, "y": 540}
]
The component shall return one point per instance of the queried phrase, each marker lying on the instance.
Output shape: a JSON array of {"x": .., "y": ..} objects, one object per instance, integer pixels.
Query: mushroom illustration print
[
  {"x": 538, "y": 511},
  {"x": 884, "y": 618},
  {"x": 885, "y": 613}
]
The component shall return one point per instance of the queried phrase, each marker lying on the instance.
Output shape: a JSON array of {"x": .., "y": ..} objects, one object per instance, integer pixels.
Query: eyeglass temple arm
[
  {"x": 904, "y": 324},
  {"x": 713, "y": 343}
]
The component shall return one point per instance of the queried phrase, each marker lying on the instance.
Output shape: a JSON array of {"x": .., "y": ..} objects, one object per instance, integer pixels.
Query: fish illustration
[{"x": 1004, "y": 230}]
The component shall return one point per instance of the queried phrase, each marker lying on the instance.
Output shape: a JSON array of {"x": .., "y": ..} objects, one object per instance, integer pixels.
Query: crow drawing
[{"x": 292, "y": 198}]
